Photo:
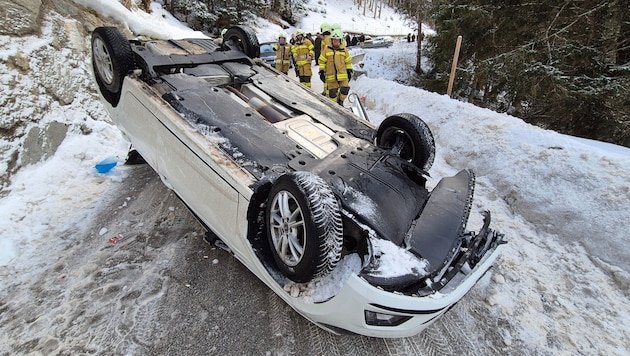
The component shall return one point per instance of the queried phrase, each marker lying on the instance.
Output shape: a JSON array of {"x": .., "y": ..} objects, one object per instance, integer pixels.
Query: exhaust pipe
[
  {"x": 267, "y": 111},
  {"x": 271, "y": 114}
]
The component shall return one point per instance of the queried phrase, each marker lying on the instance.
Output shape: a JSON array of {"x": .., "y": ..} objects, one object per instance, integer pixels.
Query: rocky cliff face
[
  {"x": 45, "y": 79},
  {"x": 19, "y": 17}
]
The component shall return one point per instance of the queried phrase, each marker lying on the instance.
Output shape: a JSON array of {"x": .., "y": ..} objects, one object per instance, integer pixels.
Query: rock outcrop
[
  {"x": 19, "y": 17},
  {"x": 45, "y": 68}
]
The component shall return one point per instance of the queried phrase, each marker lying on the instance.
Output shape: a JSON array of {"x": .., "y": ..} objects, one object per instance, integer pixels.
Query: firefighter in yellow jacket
[
  {"x": 303, "y": 52},
  {"x": 335, "y": 68},
  {"x": 325, "y": 28},
  {"x": 283, "y": 53}
]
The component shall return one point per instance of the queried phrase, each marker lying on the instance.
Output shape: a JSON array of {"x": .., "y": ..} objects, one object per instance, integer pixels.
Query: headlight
[{"x": 382, "y": 319}]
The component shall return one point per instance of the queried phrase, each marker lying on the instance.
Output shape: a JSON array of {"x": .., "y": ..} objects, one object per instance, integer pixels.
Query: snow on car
[
  {"x": 380, "y": 41},
  {"x": 332, "y": 213}
]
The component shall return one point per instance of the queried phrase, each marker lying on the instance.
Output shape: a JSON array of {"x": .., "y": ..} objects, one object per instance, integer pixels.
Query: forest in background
[
  {"x": 563, "y": 65},
  {"x": 559, "y": 64}
]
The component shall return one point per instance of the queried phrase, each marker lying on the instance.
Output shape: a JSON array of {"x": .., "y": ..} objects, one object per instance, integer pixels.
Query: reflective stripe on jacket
[
  {"x": 283, "y": 53},
  {"x": 325, "y": 43},
  {"x": 301, "y": 51},
  {"x": 335, "y": 63}
]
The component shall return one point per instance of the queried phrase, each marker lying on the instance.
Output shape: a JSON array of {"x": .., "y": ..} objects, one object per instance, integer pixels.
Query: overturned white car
[{"x": 305, "y": 194}]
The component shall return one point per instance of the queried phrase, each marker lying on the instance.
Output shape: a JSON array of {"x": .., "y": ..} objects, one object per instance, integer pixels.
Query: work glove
[
  {"x": 349, "y": 73},
  {"x": 322, "y": 76}
]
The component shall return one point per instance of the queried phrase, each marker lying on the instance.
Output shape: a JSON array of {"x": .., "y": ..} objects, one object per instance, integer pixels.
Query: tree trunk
[
  {"x": 623, "y": 40},
  {"x": 419, "y": 19},
  {"x": 611, "y": 25}
]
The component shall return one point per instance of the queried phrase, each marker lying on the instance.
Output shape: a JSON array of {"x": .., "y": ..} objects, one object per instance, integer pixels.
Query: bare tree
[
  {"x": 419, "y": 20},
  {"x": 414, "y": 9}
]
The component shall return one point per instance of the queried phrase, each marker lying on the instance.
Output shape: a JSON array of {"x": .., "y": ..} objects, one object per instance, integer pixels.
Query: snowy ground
[{"x": 561, "y": 285}]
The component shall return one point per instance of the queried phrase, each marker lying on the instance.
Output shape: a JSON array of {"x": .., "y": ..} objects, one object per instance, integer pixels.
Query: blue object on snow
[{"x": 106, "y": 165}]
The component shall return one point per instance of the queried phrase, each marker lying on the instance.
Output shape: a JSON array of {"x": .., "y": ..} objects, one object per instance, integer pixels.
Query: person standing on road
[
  {"x": 325, "y": 28},
  {"x": 318, "y": 47},
  {"x": 283, "y": 53},
  {"x": 355, "y": 40},
  {"x": 337, "y": 27},
  {"x": 309, "y": 36},
  {"x": 335, "y": 69},
  {"x": 303, "y": 54}
]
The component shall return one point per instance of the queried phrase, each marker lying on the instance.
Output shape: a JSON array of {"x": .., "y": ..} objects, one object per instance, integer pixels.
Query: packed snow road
[{"x": 162, "y": 290}]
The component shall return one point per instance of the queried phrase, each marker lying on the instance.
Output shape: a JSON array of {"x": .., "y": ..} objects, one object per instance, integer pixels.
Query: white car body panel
[
  {"x": 264, "y": 162},
  {"x": 217, "y": 190},
  {"x": 190, "y": 160}
]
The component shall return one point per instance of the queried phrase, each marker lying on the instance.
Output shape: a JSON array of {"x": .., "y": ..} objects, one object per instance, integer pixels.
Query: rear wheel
[
  {"x": 304, "y": 226},
  {"x": 244, "y": 38},
  {"x": 408, "y": 137},
  {"x": 112, "y": 59}
]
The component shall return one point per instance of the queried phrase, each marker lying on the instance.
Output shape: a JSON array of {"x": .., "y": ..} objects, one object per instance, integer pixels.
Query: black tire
[
  {"x": 112, "y": 60},
  {"x": 304, "y": 226},
  {"x": 408, "y": 137},
  {"x": 244, "y": 39}
]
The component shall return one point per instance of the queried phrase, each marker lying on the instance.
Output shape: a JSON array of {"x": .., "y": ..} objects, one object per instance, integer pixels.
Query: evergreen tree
[
  {"x": 558, "y": 64},
  {"x": 214, "y": 15}
]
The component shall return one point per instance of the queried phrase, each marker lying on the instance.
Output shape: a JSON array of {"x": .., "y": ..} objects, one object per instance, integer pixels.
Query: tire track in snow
[
  {"x": 280, "y": 324},
  {"x": 159, "y": 292}
]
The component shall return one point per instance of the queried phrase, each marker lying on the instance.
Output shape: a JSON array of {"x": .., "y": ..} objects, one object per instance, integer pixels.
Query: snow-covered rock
[
  {"x": 19, "y": 17},
  {"x": 44, "y": 65}
]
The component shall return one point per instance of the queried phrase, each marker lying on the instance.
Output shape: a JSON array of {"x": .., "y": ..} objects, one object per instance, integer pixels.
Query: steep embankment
[{"x": 45, "y": 79}]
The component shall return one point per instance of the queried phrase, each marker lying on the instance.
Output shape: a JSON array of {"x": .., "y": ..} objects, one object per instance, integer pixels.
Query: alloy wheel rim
[
  {"x": 103, "y": 61},
  {"x": 288, "y": 232}
]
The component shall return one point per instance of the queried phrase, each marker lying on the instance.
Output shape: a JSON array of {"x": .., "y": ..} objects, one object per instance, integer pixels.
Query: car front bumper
[{"x": 361, "y": 308}]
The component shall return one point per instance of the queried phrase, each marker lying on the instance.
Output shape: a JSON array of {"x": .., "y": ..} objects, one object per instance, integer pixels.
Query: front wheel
[
  {"x": 409, "y": 137},
  {"x": 304, "y": 226}
]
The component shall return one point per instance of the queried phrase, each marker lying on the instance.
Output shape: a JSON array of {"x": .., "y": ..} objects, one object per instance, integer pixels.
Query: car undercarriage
[{"x": 306, "y": 182}]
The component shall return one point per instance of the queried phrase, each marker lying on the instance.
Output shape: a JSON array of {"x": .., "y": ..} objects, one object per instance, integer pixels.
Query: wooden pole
[{"x": 455, "y": 58}]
